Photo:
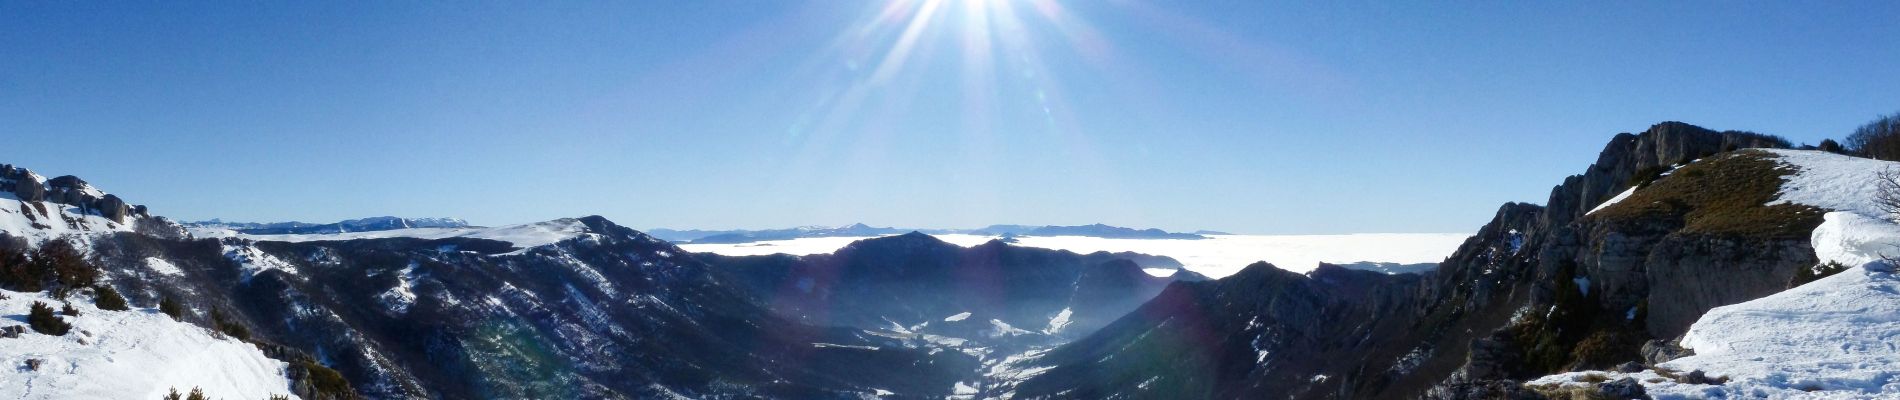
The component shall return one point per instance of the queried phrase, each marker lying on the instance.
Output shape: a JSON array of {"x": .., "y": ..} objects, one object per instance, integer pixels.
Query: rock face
[
  {"x": 68, "y": 190},
  {"x": 1538, "y": 289}
]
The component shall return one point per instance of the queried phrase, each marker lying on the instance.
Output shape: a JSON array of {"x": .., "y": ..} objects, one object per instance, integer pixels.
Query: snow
[
  {"x": 998, "y": 328},
  {"x": 161, "y": 266},
  {"x": 796, "y": 247},
  {"x": 523, "y": 236},
  {"x": 15, "y": 221},
  {"x": 1832, "y": 181},
  {"x": 1060, "y": 321},
  {"x": 1159, "y": 272},
  {"x": 252, "y": 261},
  {"x": 841, "y": 346},
  {"x": 1853, "y": 239},
  {"x": 958, "y": 317},
  {"x": 1832, "y": 338},
  {"x": 1613, "y": 200},
  {"x": 138, "y": 353},
  {"x": 399, "y": 298},
  {"x": 964, "y": 389},
  {"x": 1216, "y": 256}
]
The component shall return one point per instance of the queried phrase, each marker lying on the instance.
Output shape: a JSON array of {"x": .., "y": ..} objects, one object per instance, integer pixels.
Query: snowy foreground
[
  {"x": 1216, "y": 256},
  {"x": 1834, "y": 338},
  {"x": 136, "y": 354}
]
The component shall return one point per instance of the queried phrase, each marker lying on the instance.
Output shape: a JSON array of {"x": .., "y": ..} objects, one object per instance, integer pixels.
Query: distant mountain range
[
  {"x": 354, "y": 225},
  {"x": 860, "y": 230}
]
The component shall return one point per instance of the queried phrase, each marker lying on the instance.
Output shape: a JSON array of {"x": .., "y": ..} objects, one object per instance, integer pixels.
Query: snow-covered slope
[
  {"x": 138, "y": 354},
  {"x": 1831, "y": 181},
  {"x": 39, "y": 221}
]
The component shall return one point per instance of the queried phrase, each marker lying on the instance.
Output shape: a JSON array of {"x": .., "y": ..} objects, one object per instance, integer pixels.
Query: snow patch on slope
[
  {"x": 252, "y": 261},
  {"x": 161, "y": 266},
  {"x": 129, "y": 354},
  {"x": 399, "y": 298},
  {"x": 1831, "y": 181},
  {"x": 1613, "y": 200},
  {"x": 1060, "y": 321}
]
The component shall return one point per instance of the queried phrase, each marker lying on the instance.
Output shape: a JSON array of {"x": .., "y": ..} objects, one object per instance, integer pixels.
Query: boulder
[
  {"x": 66, "y": 182},
  {"x": 1658, "y": 352},
  {"x": 27, "y": 190},
  {"x": 1630, "y": 367},
  {"x": 113, "y": 207},
  {"x": 1625, "y": 388}
]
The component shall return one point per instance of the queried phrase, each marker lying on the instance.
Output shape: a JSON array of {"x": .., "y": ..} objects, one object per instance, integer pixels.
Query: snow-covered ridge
[
  {"x": 522, "y": 236},
  {"x": 138, "y": 354}
]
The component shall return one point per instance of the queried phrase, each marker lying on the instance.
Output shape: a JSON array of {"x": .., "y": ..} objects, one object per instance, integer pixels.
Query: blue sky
[{"x": 1241, "y": 116}]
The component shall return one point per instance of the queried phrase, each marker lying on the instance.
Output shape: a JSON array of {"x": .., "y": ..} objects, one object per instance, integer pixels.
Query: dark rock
[
  {"x": 113, "y": 207},
  {"x": 66, "y": 182},
  {"x": 1658, "y": 351},
  {"x": 28, "y": 190},
  {"x": 1483, "y": 390},
  {"x": 1630, "y": 367},
  {"x": 1697, "y": 377},
  {"x": 1626, "y": 388},
  {"x": 12, "y": 332}
]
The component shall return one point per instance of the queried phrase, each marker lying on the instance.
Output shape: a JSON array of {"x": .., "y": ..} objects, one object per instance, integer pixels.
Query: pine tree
[
  {"x": 170, "y": 307},
  {"x": 229, "y": 327},
  {"x": 170, "y": 396},
  {"x": 42, "y": 320},
  {"x": 196, "y": 394},
  {"x": 68, "y": 310},
  {"x": 19, "y": 273},
  {"x": 68, "y": 267},
  {"x": 108, "y": 299}
]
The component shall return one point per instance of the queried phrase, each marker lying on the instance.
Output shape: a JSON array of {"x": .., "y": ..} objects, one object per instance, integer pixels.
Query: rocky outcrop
[
  {"x": 1539, "y": 289},
  {"x": 68, "y": 190},
  {"x": 22, "y": 183},
  {"x": 113, "y": 207}
]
